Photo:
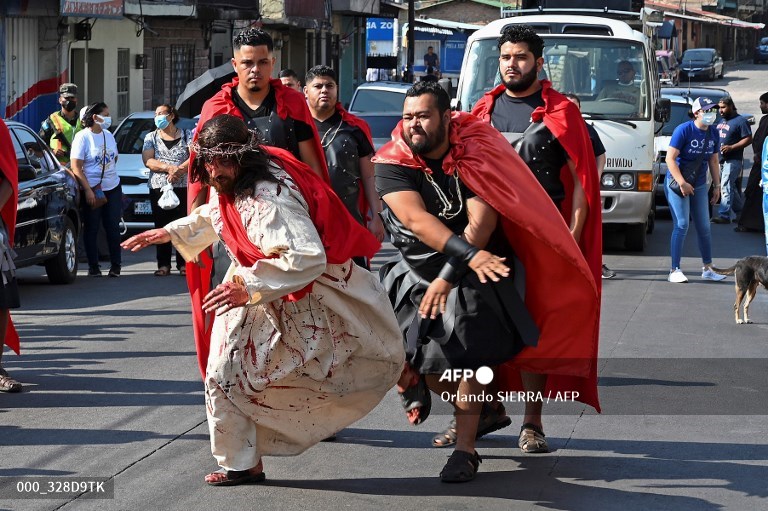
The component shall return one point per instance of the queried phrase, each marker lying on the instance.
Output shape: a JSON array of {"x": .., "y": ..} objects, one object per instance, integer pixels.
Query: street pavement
[{"x": 112, "y": 391}]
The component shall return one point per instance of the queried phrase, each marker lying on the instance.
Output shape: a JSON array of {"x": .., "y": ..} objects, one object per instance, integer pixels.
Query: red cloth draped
[
  {"x": 342, "y": 237},
  {"x": 561, "y": 293},
  {"x": 565, "y": 122},
  {"x": 290, "y": 103},
  {"x": 10, "y": 171},
  {"x": 356, "y": 122}
]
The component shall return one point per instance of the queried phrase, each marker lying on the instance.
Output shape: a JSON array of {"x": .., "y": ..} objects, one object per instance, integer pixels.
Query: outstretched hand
[
  {"x": 489, "y": 266},
  {"x": 146, "y": 238}
]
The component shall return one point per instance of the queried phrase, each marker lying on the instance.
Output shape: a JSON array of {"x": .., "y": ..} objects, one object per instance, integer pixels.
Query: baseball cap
[
  {"x": 68, "y": 89},
  {"x": 702, "y": 103}
]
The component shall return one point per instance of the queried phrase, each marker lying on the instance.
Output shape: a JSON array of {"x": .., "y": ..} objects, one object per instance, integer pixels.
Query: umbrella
[{"x": 202, "y": 88}]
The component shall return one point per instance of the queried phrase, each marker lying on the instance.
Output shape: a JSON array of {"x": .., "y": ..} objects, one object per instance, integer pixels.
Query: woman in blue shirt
[{"x": 694, "y": 141}]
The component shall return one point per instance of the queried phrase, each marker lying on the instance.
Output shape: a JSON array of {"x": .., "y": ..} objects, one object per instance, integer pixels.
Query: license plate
[{"x": 142, "y": 207}]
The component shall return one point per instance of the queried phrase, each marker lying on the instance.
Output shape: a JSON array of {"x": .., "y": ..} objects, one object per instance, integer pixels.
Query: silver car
[{"x": 134, "y": 175}]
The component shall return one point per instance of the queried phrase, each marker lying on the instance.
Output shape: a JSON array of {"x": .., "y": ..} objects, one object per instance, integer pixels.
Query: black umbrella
[{"x": 202, "y": 88}]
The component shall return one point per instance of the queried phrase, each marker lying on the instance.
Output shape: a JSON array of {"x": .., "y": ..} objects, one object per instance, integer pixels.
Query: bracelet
[{"x": 460, "y": 248}]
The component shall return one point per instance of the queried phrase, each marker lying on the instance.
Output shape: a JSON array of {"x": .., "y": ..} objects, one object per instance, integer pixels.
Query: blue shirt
[
  {"x": 731, "y": 131},
  {"x": 689, "y": 140}
]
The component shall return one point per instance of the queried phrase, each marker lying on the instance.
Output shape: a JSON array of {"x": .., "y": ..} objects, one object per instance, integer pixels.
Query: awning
[
  {"x": 716, "y": 19},
  {"x": 667, "y": 30},
  {"x": 455, "y": 25}
]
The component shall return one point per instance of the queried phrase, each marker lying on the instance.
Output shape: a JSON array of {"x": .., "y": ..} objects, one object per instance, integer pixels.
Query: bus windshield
[{"x": 610, "y": 76}]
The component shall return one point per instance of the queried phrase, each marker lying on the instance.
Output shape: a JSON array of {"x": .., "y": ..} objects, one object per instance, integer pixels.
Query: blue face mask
[{"x": 161, "y": 121}]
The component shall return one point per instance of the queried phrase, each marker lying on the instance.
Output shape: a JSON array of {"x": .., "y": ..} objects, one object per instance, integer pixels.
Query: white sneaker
[
  {"x": 708, "y": 274},
  {"x": 676, "y": 276}
]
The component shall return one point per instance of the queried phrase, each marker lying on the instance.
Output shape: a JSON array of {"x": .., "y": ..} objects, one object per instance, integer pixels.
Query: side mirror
[
  {"x": 26, "y": 172},
  {"x": 455, "y": 104},
  {"x": 663, "y": 109},
  {"x": 751, "y": 120},
  {"x": 445, "y": 83}
]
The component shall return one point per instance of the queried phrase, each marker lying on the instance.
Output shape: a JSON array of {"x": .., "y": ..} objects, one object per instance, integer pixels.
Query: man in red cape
[
  {"x": 282, "y": 117},
  {"x": 9, "y": 191},
  {"x": 555, "y": 144},
  {"x": 348, "y": 146}
]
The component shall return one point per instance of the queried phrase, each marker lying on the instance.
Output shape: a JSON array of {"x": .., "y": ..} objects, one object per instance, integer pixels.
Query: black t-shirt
[
  {"x": 326, "y": 128},
  {"x": 269, "y": 105},
  {"x": 396, "y": 178},
  {"x": 430, "y": 60},
  {"x": 513, "y": 115},
  {"x": 597, "y": 145}
]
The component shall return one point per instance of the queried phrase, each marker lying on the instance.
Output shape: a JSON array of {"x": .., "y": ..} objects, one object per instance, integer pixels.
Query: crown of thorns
[{"x": 227, "y": 149}]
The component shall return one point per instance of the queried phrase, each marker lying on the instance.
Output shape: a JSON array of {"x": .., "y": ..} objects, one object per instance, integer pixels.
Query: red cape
[
  {"x": 356, "y": 122},
  {"x": 561, "y": 116},
  {"x": 561, "y": 294},
  {"x": 290, "y": 103},
  {"x": 342, "y": 238},
  {"x": 9, "y": 169}
]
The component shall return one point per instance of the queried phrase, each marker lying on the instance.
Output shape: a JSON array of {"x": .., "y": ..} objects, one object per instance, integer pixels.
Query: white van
[{"x": 581, "y": 55}]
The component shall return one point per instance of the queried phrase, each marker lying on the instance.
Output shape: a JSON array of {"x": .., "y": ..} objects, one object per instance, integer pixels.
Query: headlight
[
  {"x": 626, "y": 181},
  {"x": 609, "y": 180}
]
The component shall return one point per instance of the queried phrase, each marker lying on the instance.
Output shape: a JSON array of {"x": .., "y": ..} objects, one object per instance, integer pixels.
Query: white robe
[{"x": 281, "y": 375}]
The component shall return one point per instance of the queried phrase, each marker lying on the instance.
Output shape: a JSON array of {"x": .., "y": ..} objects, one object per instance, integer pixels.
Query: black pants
[{"x": 164, "y": 216}]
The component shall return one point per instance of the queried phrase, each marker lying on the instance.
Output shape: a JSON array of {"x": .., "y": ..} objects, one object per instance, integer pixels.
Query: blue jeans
[
  {"x": 109, "y": 216},
  {"x": 765, "y": 218},
  {"x": 682, "y": 208},
  {"x": 731, "y": 198}
]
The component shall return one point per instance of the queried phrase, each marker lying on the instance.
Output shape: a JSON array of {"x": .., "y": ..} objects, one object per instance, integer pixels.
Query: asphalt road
[{"x": 112, "y": 391}]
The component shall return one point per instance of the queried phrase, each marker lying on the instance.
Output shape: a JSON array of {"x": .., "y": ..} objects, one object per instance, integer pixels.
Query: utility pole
[{"x": 411, "y": 36}]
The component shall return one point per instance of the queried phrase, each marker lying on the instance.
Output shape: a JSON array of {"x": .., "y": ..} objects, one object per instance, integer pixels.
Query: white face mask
[
  {"x": 708, "y": 118},
  {"x": 106, "y": 123}
]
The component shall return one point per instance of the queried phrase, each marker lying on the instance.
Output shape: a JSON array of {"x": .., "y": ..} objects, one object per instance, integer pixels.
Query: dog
[{"x": 749, "y": 272}]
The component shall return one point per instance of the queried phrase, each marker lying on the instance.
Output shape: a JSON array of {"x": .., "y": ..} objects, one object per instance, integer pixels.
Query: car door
[{"x": 37, "y": 186}]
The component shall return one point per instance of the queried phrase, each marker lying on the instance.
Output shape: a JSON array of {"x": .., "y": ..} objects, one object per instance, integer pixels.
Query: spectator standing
[
  {"x": 431, "y": 59},
  {"x": 166, "y": 154},
  {"x": 764, "y": 186},
  {"x": 9, "y": 290},
  {"x": 693, "y": 141},
  {"x": 735, "y": 135},
  {"x": 94, "y": 156},
  {"x": 59, "y": 128}
]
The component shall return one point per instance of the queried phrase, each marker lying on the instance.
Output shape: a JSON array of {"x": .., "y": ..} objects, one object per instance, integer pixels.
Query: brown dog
[{"x": 749, "y": 272}]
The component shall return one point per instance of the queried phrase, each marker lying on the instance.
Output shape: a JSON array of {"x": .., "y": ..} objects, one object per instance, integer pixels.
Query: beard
[
  {"x": 430, "y": 142},
  {"x": 224, "y": 185},
  {"x": 520, "y": 84}
]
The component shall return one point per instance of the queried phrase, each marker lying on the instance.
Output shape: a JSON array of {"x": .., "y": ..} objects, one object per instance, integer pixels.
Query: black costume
[
  {"x": 751, "y": 216},
  {"x": 484, "y": 324}
]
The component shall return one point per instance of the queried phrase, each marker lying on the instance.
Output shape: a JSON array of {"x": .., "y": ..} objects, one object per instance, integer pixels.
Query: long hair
[{"x": 227, "y": 137}]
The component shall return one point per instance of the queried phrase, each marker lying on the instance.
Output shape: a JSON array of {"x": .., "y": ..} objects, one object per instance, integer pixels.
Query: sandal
[
  {"x": 461, "y": 467},
  {"x": 532, "y": 439},
  {"x": 183, "y": 271},
  {"x": 8, "y": 384},
  {"x": 234, "y": 477},
  {"x": 417, "y": 396},
  {"x": 163, "y": 271},
  {"x": 490, "y": 420}
]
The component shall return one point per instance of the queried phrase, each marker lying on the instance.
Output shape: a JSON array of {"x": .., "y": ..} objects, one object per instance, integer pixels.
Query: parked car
[
  {"x": 381, "y": 125},
  {"x": 761, "y": 51},
  {"x": 672, "y": 65},
  {"x": 680, "y": 112},
  {"x": 691, "y": 93},
  {"x": 379, "y": 97},
  {"x": 129, "y": 136},
  {"x": 701, "y": 63},
  {"x": 48, "y": 219}
]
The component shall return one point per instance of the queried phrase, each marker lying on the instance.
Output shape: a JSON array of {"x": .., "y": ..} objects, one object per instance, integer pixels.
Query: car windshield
[
  {"x": 581, "y": 66},
  {"x": 376, "y": 100},
  {"x": 697, "y": 55},
  {"x": 129, "y": 137},
  {"x": 678, "y": 115}
]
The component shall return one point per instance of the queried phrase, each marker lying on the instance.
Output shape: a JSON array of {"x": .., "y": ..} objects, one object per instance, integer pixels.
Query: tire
[
  {"x": 651, "y": 225},
  {"x": 62, "y": 269},
  {"x": 635, "y": 237}
]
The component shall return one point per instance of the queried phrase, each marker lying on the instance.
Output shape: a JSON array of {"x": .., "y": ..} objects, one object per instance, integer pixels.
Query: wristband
[
  {"x": 453, "y": 270},
  {"x": 459, "y": 248}
]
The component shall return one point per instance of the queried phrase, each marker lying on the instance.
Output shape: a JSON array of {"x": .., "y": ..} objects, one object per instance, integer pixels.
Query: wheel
[
  {"x": 712, "y": 75},
  {"x": 634, "y": 237},
  {"x": 62, "y": 269},
  {"x": 651, "y": 225}
]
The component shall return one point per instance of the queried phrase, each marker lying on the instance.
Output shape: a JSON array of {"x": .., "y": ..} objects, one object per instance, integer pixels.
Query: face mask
[
  {"x": 161, "y": 121},
  {"x": 106, "y": 123},
  {"x": 69, "y": 105},
  {"x": 708, "y": 119}
]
